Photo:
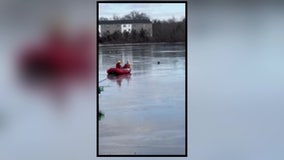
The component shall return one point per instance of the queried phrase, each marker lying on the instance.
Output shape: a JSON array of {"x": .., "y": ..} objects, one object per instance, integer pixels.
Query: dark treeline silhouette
[
  {"x": 169, "y": 31},
  {"x": 125, "y": 37},
  {"x": 162, "y": 31}
]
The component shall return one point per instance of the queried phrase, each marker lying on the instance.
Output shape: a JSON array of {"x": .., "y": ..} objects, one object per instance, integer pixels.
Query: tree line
[{"x": 162, "y": 31}]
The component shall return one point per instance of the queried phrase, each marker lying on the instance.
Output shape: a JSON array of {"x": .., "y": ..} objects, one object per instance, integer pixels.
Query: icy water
[{"x": 144, "y": 111}]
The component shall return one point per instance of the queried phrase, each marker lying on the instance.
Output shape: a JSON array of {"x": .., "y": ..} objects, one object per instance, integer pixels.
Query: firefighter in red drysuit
[
  {"x": 127, "y": 65},
  {"x": 118, "y": 65}
]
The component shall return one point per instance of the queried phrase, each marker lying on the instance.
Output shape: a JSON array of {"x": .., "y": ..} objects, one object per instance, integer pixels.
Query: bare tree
[
  {"x": 103, "y": 19},
  {"x": 134, "y": 15},
  {"x": 115, "y": 17}
]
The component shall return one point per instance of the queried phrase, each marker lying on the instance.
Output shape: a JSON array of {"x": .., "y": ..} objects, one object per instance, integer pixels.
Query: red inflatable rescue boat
[{"x": 118, "y": 71}]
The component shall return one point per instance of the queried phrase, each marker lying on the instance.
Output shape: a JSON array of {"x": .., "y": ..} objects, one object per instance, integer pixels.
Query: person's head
[{"x": 118, "y": 61}]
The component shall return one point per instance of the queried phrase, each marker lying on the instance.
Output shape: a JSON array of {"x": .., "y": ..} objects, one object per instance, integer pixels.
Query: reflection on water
[
  {"x": 145, "y": 111},
  {"x": 118, "y": 79}
]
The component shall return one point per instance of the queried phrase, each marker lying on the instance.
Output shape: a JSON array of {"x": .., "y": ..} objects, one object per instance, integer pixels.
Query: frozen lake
[{"x": 144, "y": 112}]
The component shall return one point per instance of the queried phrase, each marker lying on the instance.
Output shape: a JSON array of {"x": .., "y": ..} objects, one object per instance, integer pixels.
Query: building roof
[{"x": 124, "y": 21}]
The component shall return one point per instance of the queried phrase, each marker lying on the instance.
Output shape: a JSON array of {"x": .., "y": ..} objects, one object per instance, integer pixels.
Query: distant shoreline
[{"x": 133, "y": 44}]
